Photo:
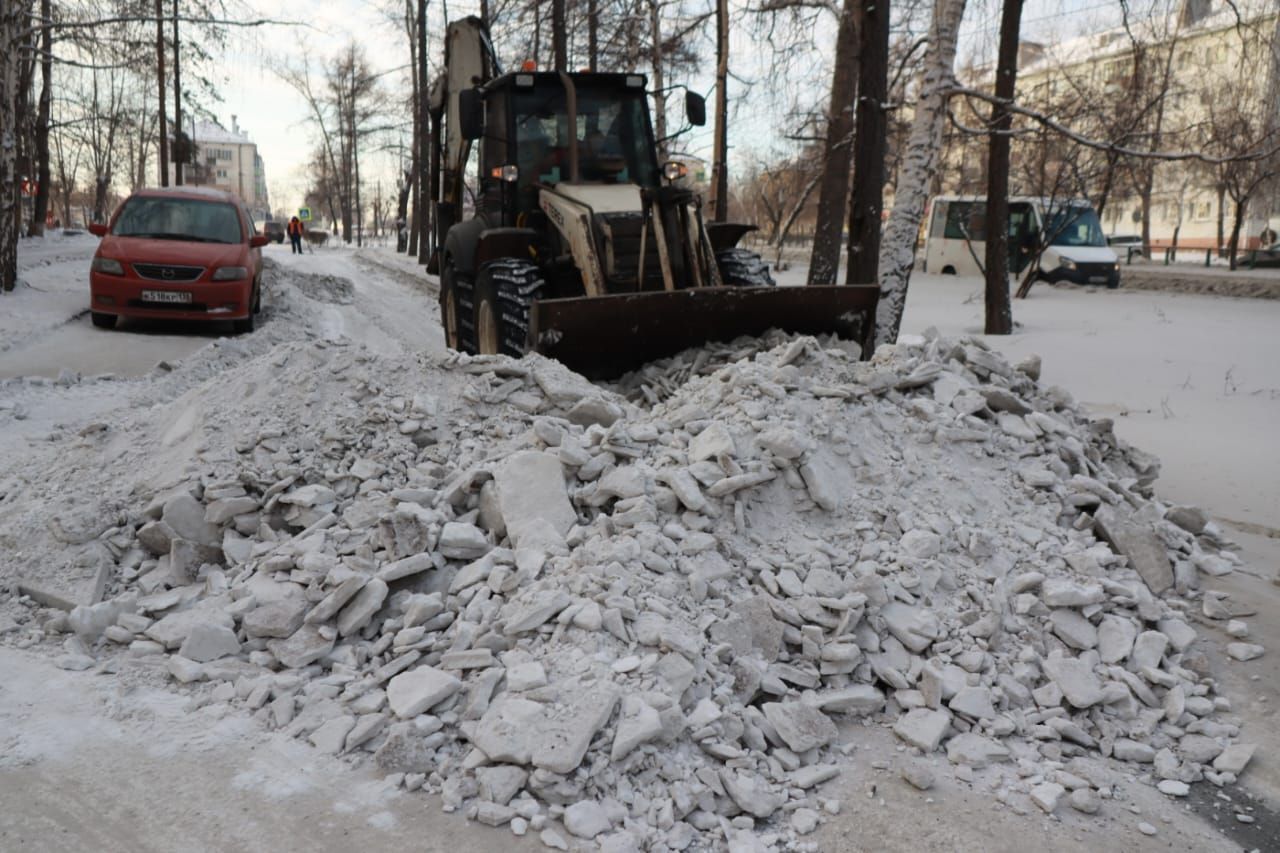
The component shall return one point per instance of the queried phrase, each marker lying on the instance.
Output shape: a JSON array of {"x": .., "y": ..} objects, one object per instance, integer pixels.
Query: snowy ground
[{"x": 1191, "y": 379}]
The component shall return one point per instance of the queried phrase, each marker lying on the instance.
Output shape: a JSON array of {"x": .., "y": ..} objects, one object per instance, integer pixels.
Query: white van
[{"x": 955, "y": 243}]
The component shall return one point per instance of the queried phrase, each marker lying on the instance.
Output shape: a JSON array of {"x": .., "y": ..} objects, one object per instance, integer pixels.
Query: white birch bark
[{"x": 919, "y": 165}]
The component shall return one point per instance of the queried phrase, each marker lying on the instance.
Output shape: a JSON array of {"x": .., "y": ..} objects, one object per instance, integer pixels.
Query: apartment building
[
  {"x": 229, "y": 160},
  {"x": 1203, "y": 78}
]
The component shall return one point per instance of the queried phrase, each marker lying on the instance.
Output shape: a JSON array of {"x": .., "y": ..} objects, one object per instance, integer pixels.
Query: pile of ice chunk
[{"x": 573, "y": 615}]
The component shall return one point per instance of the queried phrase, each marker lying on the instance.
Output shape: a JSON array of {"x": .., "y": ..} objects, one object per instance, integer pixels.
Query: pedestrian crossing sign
[{"x": 304, "y": 214}]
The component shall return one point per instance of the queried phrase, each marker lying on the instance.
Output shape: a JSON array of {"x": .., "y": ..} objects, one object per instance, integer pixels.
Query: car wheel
[
  {"x": 257, "y": 299},
  {"x": 103, "y": 321}
]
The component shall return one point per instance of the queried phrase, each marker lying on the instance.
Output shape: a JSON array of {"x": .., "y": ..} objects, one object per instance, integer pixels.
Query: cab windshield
[
  {"x": 611, "y": 134},
  {"x": 1075, "y": 226},
  {"x": 185, "y": 219}
]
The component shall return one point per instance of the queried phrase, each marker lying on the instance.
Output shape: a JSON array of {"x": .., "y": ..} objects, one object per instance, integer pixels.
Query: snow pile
[{"x": 568, "y": 614}]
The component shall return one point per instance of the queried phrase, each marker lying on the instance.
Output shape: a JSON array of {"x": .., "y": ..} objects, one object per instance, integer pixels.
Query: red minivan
[{"x": 183, "y": 253}]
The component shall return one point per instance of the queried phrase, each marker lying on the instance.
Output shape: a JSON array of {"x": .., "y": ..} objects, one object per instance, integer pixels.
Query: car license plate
[
  {"x": 1097, "y": 279},
  {"x": 165, "y": 296}
]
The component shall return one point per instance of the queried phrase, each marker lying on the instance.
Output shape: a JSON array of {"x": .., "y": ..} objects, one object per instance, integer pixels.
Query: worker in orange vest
[{"x": 295, "y": 234}]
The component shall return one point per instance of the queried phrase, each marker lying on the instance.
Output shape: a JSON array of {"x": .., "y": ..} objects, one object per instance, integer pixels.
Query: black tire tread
[
  {"x": 741, "y": 267},
  {"x": 464, "y": 290},
  {"x": 517, "y": 283}
]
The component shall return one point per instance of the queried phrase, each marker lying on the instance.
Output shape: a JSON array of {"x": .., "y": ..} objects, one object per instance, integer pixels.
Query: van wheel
[
  {"x": 103, "y": 321},
  {"x": 948, "y": 270}
]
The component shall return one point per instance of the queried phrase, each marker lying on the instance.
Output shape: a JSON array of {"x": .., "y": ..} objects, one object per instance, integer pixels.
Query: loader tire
[
  {"x": 505, "y": 290},
  {"x": 456, "y": 312},
  {"x": 743, "y": 268}
]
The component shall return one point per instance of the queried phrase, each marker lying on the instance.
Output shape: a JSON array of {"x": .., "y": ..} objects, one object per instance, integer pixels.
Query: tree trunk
[
  {"x": 180, "y": 155},
  {"x": 999, "y": 319},
  {"x": 559, "y": 35},
  {"x": 593, "y": 34},
  {"x": 140, "y": 169},
  {"x": 1144, "y": 195},
  {"x": 407, "y": 229},
  {"x": 919, "y": 168},
  {"x": 160, "y": 80},
  {"x": 1222, "y": 215},
  {"x": 659, "y": 97},
  {"x": 867, "y": 201},
  {"x": 782, "y": 230},
  {"x": 40, "y": 208},
  {"x": 1236, "y": 224},
  {"x": 11, "y": 20},
  {"x": 1104, "y": 193},
  {"x": 424, "y": 208},
  {"x": 833, "y": 192},
  {"x": 720, "y": 152}
]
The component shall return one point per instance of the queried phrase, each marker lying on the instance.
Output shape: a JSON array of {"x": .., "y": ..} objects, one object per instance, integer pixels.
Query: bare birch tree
[{"x": 919, "y": 166}]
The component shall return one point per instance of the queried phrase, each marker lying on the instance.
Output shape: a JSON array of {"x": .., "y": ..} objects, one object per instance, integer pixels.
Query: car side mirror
[
  {"x": 695, "y": 108},
  {"x": 257, "y": 241},
  {"x": 471, "y": 113},
  {"x": 98, "y": 229}
]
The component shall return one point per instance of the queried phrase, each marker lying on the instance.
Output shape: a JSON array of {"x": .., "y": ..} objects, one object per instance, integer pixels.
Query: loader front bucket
[{"x": 604, "y": 337}]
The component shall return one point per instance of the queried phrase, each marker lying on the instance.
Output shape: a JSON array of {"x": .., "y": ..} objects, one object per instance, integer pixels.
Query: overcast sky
[{"x": 275, "y": 116}]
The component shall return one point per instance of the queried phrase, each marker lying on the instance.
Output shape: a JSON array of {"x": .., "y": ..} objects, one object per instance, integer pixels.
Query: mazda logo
[{"x": 166, "y": 273}]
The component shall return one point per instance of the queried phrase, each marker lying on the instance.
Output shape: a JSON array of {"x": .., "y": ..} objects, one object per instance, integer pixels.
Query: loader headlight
[
  {"x": 510, "y": 174},
  {"x": 673, "y": 171}
]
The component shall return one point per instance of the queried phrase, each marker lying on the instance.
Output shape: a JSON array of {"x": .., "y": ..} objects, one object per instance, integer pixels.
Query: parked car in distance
[
  {"x": 273, "y": 230},
  {"x": 1124, "y": 241},
  {"x": 1267, "y": 256},
  {"x": 182, "y": 253},
  {"x": 1127, "y": 245}
]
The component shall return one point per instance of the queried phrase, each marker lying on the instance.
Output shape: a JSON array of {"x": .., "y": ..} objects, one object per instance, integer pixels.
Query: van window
[
  {"x": 967, "y": 220},
  {"x": 1075, "y": 226},
  {"x": 939, "y": 222}
]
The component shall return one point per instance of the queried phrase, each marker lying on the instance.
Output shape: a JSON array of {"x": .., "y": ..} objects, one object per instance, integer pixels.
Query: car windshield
[
  {"x": 1075, "y": 226},
  {"x": 186, "y": 219}
]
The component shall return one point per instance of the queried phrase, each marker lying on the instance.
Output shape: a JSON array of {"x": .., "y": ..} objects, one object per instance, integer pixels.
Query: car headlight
[
  {"x": 110, "y": 266},
  {"x": 1066, "y": 264},
  {"x": 230, "y": 273}
]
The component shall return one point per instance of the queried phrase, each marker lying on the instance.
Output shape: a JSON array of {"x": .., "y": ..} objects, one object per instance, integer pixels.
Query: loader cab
[{"x": 527, "y": 143}]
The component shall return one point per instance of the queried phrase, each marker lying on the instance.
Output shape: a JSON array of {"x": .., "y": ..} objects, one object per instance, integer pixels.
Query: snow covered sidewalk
[
  {"x": 1193, "y": 379},
  {"x": 53, "y": 286}
]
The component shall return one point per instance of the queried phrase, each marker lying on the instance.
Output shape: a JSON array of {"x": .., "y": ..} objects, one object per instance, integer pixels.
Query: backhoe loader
[{"x": 557, "y": 231}]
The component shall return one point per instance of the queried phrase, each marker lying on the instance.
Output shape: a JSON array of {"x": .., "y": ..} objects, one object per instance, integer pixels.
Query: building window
[{"x": 222, "y": 173}]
